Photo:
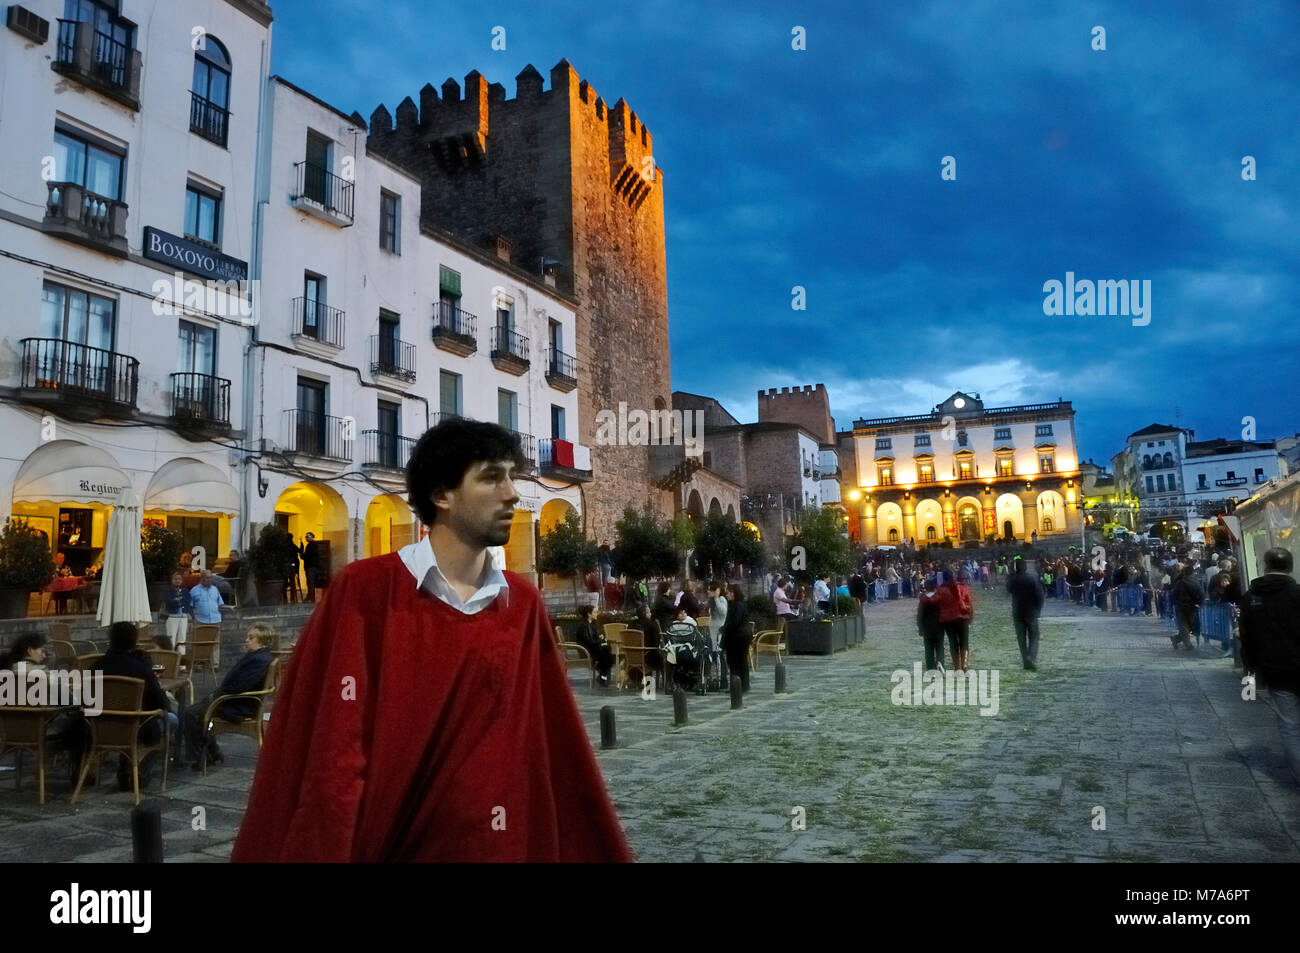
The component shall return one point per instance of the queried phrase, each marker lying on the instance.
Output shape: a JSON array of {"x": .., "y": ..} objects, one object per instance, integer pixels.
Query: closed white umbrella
[{"x": 123, "y": 592}]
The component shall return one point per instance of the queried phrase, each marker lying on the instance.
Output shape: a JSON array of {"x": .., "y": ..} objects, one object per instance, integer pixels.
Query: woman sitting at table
[
  {"x": 122, "y": 658},
  {"x": 26, "y": 659},
  {"x": 602, "y": 656},
  {"x": 652, "y": 637}
]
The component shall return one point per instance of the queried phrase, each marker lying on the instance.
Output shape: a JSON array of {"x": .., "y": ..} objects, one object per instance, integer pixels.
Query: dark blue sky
[{"x": 822, "y": 169}]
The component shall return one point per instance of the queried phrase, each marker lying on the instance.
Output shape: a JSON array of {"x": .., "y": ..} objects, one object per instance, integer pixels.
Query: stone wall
[{"x": 810, "y": 408}]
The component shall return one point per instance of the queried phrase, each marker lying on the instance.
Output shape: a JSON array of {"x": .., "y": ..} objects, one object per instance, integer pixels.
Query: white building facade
[
  {"x": 129, "y": 183},
  {"x": 965, "y": 473},
  {"x": 373, "y": 331},
  {"x": 218, "y": 299}
]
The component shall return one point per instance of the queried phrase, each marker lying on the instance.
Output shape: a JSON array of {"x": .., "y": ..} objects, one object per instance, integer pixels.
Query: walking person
[
  {"x": 931, "y": 629},
  {"x": 1026, "y": 604},
  {"x": 735, "y": 637},
  {"x": 956, "y": 610},
  {"x": 1270, "y": 646},
  {"x": 1188, "y": 597}
]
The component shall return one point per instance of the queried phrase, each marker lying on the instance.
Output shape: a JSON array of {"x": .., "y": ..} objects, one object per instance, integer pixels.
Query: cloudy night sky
[{"x": 821, "y": 168}]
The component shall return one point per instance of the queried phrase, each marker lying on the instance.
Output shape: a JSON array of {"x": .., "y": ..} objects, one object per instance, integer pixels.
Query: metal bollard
[
  {"x": 737, "y": 696},
  {"x": 146, "y": 833},
  {"x": 679, "y": 706},
  {"x": 780, "y": 678},
  {"x": 608, "y": 736}
]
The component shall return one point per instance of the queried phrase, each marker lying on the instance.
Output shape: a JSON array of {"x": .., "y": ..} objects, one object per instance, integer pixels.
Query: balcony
[
  {"x": 454, "y": 329},
  {"x": 509, "y": 351},
  {"x": 73, "y": 213},
  {"x": 442, "y": 416},
  {"x": 385, "y": 450},
  {"x": 561, "y": 370},
  {"x": 392, "y": 358},
  {"x": 315, "y": 323},
  {"x": 98, "y": 62},
  {"x": 322, "y": 194},
  {"x": 88, "y": 381},
  {"x": 560, "y": 462},
  {"x": 200, "y": 401},
  {"x": 209, "y": 120},
  {"x": 318, "y": 435},
  {"x": 528, "y": 445}
]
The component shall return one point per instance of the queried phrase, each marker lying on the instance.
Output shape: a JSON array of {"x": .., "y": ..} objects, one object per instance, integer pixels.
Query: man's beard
[{"x": 498, "y": 535}]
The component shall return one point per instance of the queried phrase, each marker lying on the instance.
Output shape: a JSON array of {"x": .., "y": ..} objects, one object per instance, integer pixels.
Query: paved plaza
[{"x": 1162, "y": 742}]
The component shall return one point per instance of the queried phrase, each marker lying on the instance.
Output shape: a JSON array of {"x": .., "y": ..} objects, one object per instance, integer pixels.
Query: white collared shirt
[{"x": 421, "y": 562}]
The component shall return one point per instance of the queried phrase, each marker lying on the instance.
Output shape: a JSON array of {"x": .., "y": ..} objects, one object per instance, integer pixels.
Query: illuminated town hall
[{"x": 965, "y": 473}]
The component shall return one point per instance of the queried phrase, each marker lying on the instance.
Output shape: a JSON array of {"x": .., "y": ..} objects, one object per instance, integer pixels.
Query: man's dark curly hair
[{"x": 444, "y": 454}]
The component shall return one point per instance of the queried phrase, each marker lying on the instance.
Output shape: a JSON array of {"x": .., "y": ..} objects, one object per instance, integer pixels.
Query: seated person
[
  {"x": 651, "y": 636},
  {"x": 586, "y": 636},
  {"x": 123, "y": 658},
  {"x": 26, "y": 659},
  {"x": 233, "y": 566},
  {"x": 245, "y": 676}
]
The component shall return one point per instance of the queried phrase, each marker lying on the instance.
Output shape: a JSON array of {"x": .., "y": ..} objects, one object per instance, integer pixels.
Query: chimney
[{"x": 503, "y": 247}]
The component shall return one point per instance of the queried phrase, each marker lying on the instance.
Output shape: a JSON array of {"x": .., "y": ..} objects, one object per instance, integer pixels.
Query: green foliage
[
  {"x": 273, "y": 554},
  {"x": 845, "y": 605},
  {"x": 762, "y": 610},
  {"x": 161, "y": 548},
  {"x": 25, "y": 560},
  {"x": 565, "y": 551},
  {"x": 825, "y": 543},
  {"x": 646, "y": 545},
  {"x": 722, "y": 541}
]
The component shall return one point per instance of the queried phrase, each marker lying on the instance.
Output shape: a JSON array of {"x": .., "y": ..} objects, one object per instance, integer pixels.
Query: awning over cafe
[
  {"x": 193, "y": 486},
  {"x": 66, "y": 471}
]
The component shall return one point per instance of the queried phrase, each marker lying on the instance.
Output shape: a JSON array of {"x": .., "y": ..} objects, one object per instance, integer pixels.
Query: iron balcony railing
[
  {"x": 442, "y": 416},
  {"x": 317, "y": 321},
  {"x": 509, "y": 342},
  {"x": 209, "y": 120},
  {"x": 320, "y": 185},
  {"x": 318, "y": 435},
  {"x": 449, "y": 319},
  {"x": 201, "y": 398},
  {"x": 393, "y": 357},
  {"x": 559, "y": 364},
  {"x": 96, "y": 216},
  {"x": 384, "y": 449},
  {"x": 546, "y": 456},
  {"x": 108, "y": 60},
  {"x": 80, "y": 371},
  {"x": 528, "y": 445}
]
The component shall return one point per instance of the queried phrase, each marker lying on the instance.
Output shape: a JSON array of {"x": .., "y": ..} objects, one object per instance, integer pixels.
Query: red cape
[{"x": 407, "y": 731}]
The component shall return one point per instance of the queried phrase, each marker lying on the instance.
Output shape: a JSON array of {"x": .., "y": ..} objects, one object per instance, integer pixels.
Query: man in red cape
[{"x": 427, "y": 715}]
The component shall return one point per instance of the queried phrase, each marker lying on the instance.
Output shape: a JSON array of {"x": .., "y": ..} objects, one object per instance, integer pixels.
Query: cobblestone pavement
[{"x": 1184, "y": 769}]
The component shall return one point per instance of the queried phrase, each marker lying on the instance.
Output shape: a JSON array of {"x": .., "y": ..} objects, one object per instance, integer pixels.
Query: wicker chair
[
  {"x": 22, "y": 729},
  {"x": 116, "y": 730},
  {"x": 84, "y": 663},
  {"x": 203, "y": 654},
  {"x": 767, "y": 642},
  {"x": 250, "y": 726},
  {"x": 577, "y": 656},
  {"x": 65, "y": 653},
  {"x": 169, "y": 659}
]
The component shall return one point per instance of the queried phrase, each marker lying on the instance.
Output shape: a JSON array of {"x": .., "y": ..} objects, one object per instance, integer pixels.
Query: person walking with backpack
[{"x": 956, "y": 610}]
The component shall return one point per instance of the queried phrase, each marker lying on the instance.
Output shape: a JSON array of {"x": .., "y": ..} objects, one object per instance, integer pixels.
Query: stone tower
[
  {"x": 810, "y": 408},
  {"x": 572, "y": 183}
]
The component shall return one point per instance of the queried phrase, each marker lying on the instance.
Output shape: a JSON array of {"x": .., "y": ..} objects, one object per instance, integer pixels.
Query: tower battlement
[
  {"x": 809, "y": 407},
  {"x": 457, "y": 125}
]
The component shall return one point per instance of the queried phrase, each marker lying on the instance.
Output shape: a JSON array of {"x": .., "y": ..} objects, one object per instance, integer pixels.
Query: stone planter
[
  {"x": 270, "y": 593},
  {"x": 822, "y": 637},
  {"x": 13, "y": 603}
]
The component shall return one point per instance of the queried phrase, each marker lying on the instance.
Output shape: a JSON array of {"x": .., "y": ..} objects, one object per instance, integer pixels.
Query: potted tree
[
  {"x": 565, "y": 551},
  {"x": 269, "y": 559},
  {"x": 161, "y": 550},
  {"x": 646, "y": 546},
  {"x": 25, "y": 566},
  {"x": 820, "y": 548}
]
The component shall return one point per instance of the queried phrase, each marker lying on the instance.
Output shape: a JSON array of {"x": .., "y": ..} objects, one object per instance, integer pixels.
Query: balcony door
[
  {"x": 313, "y": 305},
  {"x": 79, "y": 328},
  {"x": 315, "y": 183},
  {"x": 93, "y": 167},
  {"x": 310, "y": 433},
  {"x": 196, "y": 362},
  {"x": 389, "y": 336},
  {"x": 389, "y": 436}
]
